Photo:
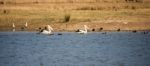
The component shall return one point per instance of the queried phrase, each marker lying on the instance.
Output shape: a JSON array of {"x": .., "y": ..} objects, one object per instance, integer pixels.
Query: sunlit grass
[{"x": 86, "y": 11}]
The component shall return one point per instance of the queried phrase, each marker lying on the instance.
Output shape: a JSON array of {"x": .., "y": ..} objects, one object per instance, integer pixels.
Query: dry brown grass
[
  {"x": 66, "y": 1},
  {"x": 38, "y": 12}
]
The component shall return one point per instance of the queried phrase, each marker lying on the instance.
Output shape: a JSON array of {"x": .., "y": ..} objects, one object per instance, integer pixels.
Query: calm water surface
[{"x": 72, "y": 49}]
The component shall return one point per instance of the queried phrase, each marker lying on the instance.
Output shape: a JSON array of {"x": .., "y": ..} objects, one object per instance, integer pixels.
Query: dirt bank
[
  {"x": 73, "y": 26},
  {"x": 113, "y": 26}
]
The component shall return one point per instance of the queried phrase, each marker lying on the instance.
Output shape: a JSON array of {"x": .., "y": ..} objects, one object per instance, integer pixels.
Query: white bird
[
  {"x": 83, "y": 31},
  {"x": 26, "y": 25},
  {"x": 13, "y": 25},
  {"x": 48, "y": 30}
]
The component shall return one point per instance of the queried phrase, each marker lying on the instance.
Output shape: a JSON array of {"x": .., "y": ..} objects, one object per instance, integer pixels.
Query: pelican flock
[
  {"x": 47, "y": 30},
  {"x": 84, "y": 31}
]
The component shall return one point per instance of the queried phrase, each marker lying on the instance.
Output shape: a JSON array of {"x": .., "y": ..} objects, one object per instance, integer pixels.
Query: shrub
[
  {"x": 35, "y": 2},
  {"x": 1, "y": 2},
  {"x": 5, "y": 11},
  {"x": 133, "y": 7},
  {"x": 67, "y": 18}
]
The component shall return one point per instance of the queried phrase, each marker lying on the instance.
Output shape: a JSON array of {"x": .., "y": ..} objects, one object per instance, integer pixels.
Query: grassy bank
[{"x": 91, "y": 11}]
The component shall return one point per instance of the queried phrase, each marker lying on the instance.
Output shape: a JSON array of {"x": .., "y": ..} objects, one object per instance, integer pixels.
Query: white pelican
[
  {"x": 48, "y": 30},
  {"x": 83, "y": 31},
  {"x": 26, "y": 25},
  {"x": 13, "y": 25}
]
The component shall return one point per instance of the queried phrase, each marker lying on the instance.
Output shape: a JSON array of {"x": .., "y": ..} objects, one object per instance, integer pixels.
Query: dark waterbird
[
  {"x": 101, "y": 29},
  {"x": 118, "y": 29},
  {"x": 59, "y": 34},
  {"x": 146, "y": 32},
  {"x": 134, "y": 31},
  {"x": 77, "y": 30},
  {"x": 93, "y": 29},
  {"x": 104, "y": 33}
]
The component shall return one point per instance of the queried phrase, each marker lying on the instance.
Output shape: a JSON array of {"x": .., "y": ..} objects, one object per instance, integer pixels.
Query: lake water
[{"x": 72, "y": 49}]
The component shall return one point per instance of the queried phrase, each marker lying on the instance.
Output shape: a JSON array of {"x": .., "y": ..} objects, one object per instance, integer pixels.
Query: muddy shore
[{"x": 73, "y": 26}]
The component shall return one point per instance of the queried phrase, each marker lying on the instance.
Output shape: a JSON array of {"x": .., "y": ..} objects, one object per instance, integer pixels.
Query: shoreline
[{"x": 74, "y": 26}]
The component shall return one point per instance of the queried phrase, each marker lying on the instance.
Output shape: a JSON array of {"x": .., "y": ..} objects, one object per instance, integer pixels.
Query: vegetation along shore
[{"x": 71, "y": 15}]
